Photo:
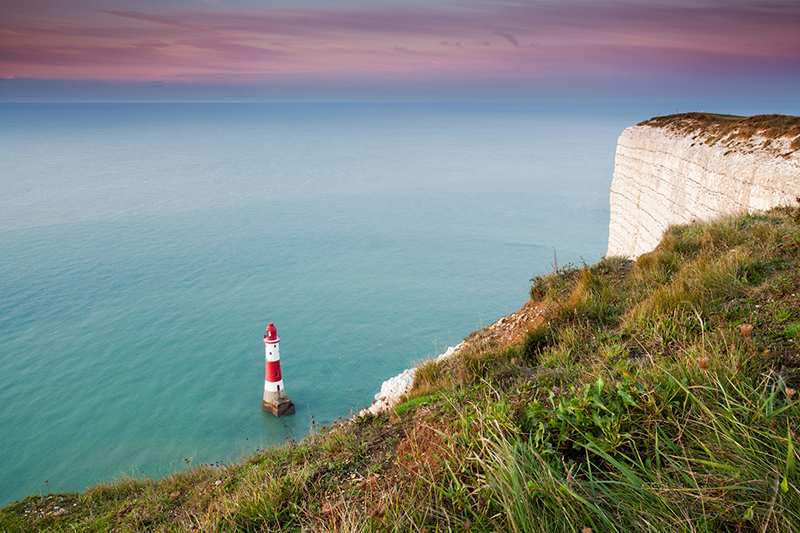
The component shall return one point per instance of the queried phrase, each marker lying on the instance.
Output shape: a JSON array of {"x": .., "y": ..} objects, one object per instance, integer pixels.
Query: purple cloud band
[{"x": 501, "y": 39}]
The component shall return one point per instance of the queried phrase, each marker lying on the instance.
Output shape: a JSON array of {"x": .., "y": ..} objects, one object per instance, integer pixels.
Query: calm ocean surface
[{"x": 145, "y": 247}]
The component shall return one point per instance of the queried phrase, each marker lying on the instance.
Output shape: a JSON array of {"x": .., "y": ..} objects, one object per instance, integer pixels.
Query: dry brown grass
[
  {"x": 424, "y": 448},
  {"x": 726, "y": 129}
]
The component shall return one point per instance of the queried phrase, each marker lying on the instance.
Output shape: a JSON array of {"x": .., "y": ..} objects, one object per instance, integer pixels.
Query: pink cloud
[{"x": 535, "y": 40}]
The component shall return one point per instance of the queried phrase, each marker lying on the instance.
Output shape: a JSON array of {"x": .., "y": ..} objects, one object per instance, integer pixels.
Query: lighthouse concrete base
[{"x": 281, "y": 407}]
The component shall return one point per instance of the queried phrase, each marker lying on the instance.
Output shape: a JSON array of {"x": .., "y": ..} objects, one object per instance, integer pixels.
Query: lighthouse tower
[{"x": 275, "y": 400}]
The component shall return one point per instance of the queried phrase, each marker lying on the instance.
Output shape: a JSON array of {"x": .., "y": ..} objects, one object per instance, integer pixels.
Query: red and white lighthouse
[{"x": 275, "y": 400}]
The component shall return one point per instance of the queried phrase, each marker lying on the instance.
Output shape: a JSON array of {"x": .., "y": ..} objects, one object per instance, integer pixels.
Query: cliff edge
[{"x": 698, "y": 166}]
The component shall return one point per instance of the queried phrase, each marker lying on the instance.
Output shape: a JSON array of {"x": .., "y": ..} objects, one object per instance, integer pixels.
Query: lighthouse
[{"x": 275, "y": 400}]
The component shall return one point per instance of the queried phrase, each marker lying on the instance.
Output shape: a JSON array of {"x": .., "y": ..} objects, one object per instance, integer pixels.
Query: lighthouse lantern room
[{"x": 275, "y": 400}]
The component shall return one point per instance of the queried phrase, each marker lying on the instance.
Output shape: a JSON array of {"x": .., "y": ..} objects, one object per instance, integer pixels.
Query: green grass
[{"x": 658, "y": 395}]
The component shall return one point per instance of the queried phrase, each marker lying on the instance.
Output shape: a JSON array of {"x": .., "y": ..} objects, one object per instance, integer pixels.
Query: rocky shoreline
[
  {"x": 393, "y": 389},
  {"x": 505, "y": 331}
]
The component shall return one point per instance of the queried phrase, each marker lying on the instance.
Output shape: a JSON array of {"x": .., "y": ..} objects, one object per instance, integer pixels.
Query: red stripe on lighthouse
[{"x": 273, "y": 371}]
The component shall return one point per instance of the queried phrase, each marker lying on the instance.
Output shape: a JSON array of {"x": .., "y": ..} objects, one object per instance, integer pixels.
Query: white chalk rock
[
  {"x": 395, "y": 388},
  {"x": 663, "y": 178}
]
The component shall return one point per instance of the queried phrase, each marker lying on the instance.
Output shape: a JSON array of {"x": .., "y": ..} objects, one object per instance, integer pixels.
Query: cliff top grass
[
  {"x": 727, "y": 129},
  {"x": 656, "y": 395}
]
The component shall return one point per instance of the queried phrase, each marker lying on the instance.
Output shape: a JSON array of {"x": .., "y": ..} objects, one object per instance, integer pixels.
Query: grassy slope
[{"x": 655, "y": 396}]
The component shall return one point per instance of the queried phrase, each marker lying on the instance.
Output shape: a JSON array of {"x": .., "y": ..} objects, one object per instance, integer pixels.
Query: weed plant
[{"x": 657, "y": 395}]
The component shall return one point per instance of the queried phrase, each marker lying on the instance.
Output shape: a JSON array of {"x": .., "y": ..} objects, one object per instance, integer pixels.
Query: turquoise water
[{"x": 145, "y": 247}]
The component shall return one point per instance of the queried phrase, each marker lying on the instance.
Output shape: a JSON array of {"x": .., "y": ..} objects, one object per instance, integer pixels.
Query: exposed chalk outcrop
[
  {"x": 665, "y": 176},
  {"x": 504, "y": 332},
  {"x": 393, "y": 390}
]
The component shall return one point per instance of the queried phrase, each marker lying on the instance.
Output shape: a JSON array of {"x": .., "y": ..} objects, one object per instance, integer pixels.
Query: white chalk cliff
[
  {"x": 393, "y": 390},
  {"x": 665, "y": 176}
]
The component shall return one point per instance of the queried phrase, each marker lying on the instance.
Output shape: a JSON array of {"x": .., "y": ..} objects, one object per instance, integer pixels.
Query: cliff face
[{"x": 676, "y": 170}]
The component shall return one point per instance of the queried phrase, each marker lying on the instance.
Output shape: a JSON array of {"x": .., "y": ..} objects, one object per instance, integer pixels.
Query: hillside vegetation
[
  {"x": 656, "y": 395},
  {"x": 732, "y": 130}
]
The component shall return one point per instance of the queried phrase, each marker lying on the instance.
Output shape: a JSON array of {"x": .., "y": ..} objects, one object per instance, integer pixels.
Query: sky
[{"x": 387, "y": 49}]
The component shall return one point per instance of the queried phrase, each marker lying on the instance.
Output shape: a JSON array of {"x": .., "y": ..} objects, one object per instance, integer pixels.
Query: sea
[{"x": 144, "y": 248}]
